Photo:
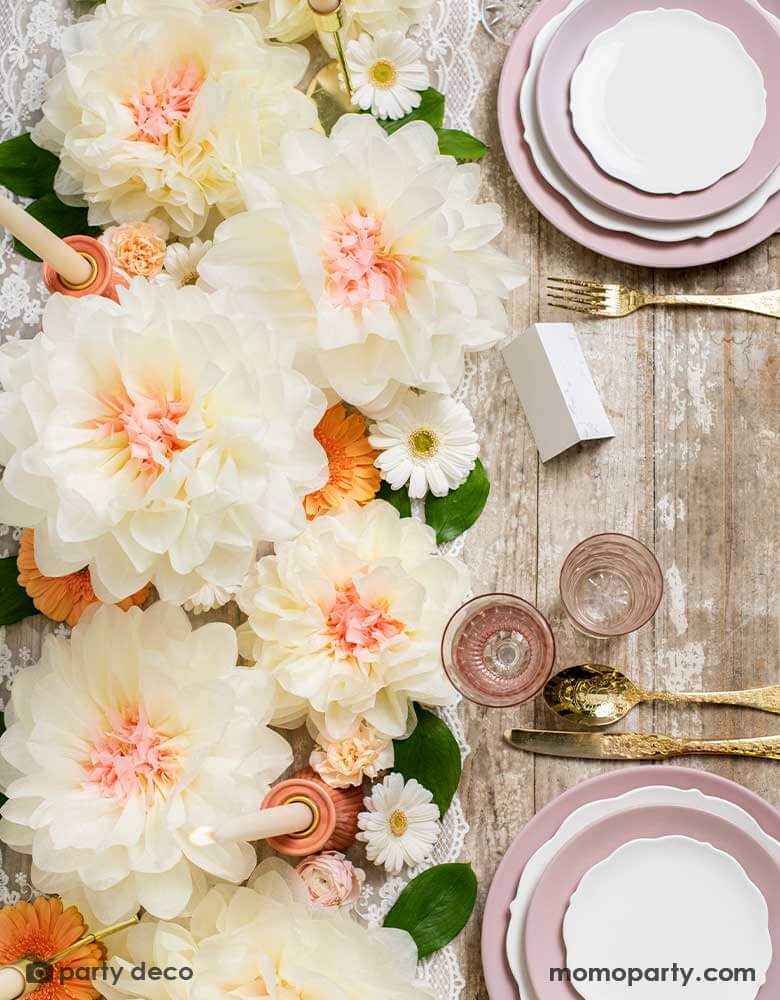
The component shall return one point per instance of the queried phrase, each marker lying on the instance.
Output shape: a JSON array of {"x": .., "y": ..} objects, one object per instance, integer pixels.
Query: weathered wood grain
[{"x": 694, "y": 397}]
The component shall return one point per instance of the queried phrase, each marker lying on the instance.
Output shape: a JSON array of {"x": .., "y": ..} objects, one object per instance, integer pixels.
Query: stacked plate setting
[
  {"x": 640, "y": 869},
  {"x": 648, "y": 134}
]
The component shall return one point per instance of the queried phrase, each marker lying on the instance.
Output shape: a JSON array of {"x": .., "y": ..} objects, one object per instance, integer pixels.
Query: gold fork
[{"x": 597, "y": 299}]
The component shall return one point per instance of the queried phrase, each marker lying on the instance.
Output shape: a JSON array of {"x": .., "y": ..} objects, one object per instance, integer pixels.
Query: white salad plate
[
  {"x": 651, "y": 795},
  {"x": 654, "y": 902},
  {"x": 668, "y": 101},
  {"x": 594, "y": 211}
]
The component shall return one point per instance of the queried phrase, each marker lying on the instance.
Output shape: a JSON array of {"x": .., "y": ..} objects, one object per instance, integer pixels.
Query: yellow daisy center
[
  {"x": 423, "y": 443},
  {"x": 398, "y": 822},
  {"x": 383, "y": 74}
]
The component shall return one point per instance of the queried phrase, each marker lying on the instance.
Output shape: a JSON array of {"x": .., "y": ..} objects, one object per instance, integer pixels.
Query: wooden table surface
[{"x": 693, "y": 471}]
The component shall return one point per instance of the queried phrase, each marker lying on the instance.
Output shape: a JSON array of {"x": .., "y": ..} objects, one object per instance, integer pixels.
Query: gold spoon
[{"x": 594, "y": 695}]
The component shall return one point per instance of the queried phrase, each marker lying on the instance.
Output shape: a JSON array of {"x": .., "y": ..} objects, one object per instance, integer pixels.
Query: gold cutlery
[
  {"x": 598, "y": 299},
  {"x": 635, "y": 746},
  {"x": 596, "y": 695}
]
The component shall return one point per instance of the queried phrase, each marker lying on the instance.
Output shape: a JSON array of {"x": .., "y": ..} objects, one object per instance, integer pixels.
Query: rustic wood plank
[{"x": 693, "y": 396}]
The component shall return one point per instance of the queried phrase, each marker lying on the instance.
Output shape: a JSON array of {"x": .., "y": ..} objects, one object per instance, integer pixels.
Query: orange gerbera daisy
[
  {"x": 36, "y": 931},
  {"x": 353, "y": 475},
  {"x": 61, "y": 598}
]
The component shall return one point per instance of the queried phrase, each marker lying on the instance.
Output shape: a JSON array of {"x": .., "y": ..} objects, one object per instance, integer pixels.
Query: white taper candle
[
  {"x": 324, "y": 6},
  {"x": 66, "y": 261},
  {"x": 12, "y": 983},
  {"x": 295, "y": 817}
]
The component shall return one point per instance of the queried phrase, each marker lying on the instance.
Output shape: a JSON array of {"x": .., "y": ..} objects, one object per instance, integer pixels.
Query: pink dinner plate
[
  {"x": 565, "y": 53},
  {"x": 495, "y": 920},
  {"x": 544, "y": 945},
  {"x": 557, "y": 210}
]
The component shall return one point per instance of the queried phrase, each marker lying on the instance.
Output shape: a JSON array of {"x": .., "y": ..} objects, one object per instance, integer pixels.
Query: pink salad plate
[
  {"x": 566, "y": 50},
  {"x": 544, "y": 945},
  {"x": 558, "y": 211},
  {"x": 500, "y": 982}
]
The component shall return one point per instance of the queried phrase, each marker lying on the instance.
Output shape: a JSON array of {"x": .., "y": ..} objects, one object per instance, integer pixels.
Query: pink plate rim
[
  {"x": 541, "y": 827},
  {"x": 556, "y": 209},
  {"x": 543, "y": 943},
  {"x": 565, "y": 52}
]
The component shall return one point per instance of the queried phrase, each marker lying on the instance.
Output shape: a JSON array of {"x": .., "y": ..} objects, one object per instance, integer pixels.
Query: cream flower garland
[
  {"x": 156, "y": 439},
  {"x": 267, "y": 940},
  {"x": 345, "y": 621},
  {"x": 121, "y": 740},
  {"x": 372, "y": 252},
  {"x": 159, "y": 106}
]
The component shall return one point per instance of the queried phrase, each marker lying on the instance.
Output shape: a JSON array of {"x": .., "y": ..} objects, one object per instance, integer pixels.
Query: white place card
[{"x": 556, "y": 388}]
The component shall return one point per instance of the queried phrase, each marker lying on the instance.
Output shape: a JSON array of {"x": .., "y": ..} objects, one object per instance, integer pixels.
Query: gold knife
[{"x": 635, "y": 746}]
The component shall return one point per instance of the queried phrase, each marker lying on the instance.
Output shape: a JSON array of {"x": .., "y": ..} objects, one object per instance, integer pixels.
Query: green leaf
[
  {"x": 435, "y": 907},
  {"x": 464, "y": 147},
  {"x": 432, "y": 756},
  {"x": 64, "y": 220},
  {"x": 398, "y": 498},
  {"x": 431, "y": 110},
  {"x": 14, "y": 602},
  {"x": 25, "y": 168},
  {"x": 454, "y": 513}
]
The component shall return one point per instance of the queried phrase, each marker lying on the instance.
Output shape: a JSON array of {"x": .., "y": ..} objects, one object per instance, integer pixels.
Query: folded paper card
[{"x": 556, "y": 388}]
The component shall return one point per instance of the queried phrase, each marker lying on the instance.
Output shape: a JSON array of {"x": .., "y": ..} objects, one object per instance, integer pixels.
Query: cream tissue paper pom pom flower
[
  {"x": 159, "y": 106},
  {"x": 122, "y": 739},
  {"x": 158, "y": 439},
  {"x": 265, "y": 939},
  {"x": 293, "y": 20},
  {"x": 372, "y": 251},
  {"x": 346, "y": 620}
]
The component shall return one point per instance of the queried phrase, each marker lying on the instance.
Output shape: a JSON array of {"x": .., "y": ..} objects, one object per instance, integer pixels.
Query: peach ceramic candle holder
[
  {"x": 334, "y": 812},
  {"x": 302, "y": 815},
  {"x": 103, "y": 280}
]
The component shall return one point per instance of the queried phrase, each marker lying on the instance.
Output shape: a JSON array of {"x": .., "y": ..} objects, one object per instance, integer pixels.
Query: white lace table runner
[{"x": 30, "y": 32}]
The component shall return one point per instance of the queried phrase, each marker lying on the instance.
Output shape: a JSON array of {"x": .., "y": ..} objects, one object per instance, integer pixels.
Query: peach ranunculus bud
[
  {"x": 331, "y": 880},
  {"x": 138, "y": 248},
  {"x": 344, "y": 763}
]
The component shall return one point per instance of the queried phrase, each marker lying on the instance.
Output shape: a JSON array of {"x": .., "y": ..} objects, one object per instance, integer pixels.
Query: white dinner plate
[
  {"x": 594, "y": 211},
  {"x": 652, "y": 795},
  {"x": 668, "y": 101},
  {"x": 655, "y": 902}
]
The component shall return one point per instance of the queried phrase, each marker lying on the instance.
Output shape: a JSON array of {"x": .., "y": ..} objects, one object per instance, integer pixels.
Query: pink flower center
[
  {"x": 132, "y": 756},
  {"x": 360, "y": 267},
  {"x": 357, "y": 628},
  {"x": 167, "y": 101},
  {"x": 150, "y": 423}
]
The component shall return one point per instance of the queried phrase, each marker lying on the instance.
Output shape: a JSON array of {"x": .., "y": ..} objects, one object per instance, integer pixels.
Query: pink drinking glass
[
  {"x": 611, "y": 585},
  {"x": 498, "y": 650}
]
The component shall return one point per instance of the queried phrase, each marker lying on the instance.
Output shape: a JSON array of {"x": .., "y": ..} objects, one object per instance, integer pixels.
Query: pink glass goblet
[
  {"x": 611, "y": 585},
  {"x": 498, "y": 650}
]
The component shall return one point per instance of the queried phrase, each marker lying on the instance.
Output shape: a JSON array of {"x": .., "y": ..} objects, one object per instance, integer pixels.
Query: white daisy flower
[
  {"x": 180, "y": 266},
  {"x": 401, "y": 825},
  {"x": 426, "y": 440},
  {"x": 387, "y": 74}
]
